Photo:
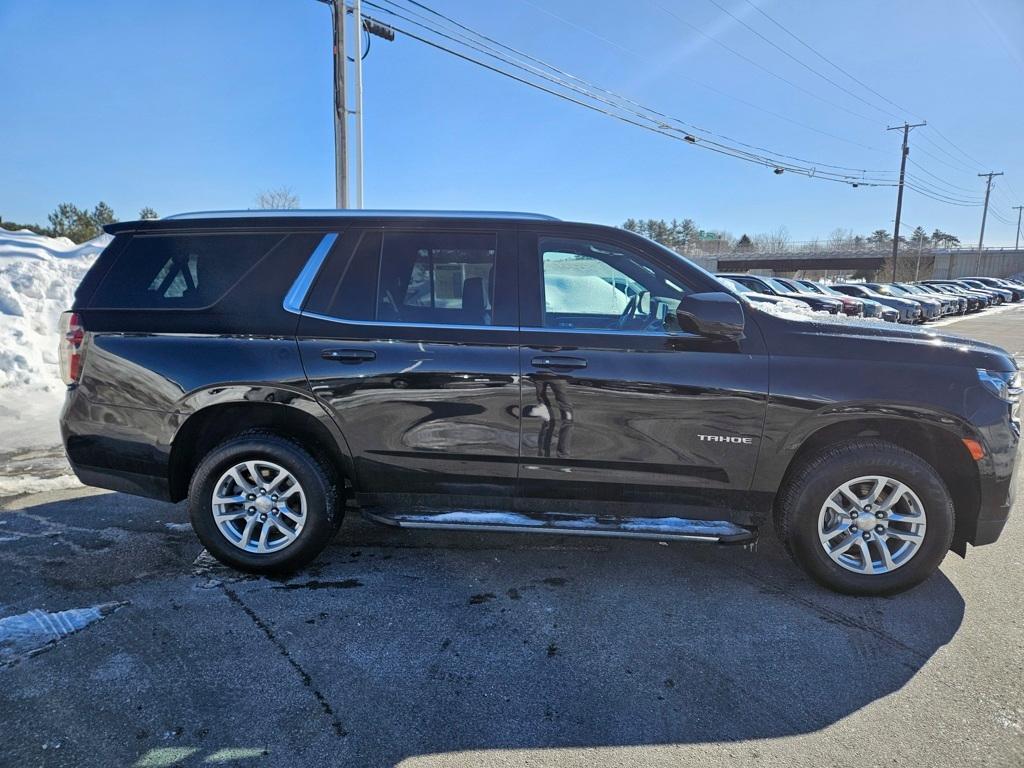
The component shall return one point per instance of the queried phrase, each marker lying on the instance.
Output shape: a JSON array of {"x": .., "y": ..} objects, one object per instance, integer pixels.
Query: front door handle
[
  {"x": 558, "y": 362},
  {"x": 350, "y": 356}
]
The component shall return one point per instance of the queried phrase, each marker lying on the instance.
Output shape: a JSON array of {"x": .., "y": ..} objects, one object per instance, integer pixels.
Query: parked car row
[{"x": 897, "y": 302}]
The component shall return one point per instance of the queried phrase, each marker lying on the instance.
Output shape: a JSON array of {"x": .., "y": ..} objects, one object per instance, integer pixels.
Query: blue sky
[{"x": 199, "y": 104}]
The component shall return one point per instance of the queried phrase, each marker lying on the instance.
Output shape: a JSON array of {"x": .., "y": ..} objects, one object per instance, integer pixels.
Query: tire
[
  {"x": 804, "y": 514},
  {"x": 300, "y": 524}
]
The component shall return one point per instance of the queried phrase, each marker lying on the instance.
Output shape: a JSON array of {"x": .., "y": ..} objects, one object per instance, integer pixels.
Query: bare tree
[
  {"x": 281, "y": 197},
  {"x": 775, "y": 241},
  {"x": 840, "y": 239}
]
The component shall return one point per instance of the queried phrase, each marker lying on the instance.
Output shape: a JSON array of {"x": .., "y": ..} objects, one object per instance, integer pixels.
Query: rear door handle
[
  {"x": 349, "y": 355},
  {"x": 558, "y": 361}
]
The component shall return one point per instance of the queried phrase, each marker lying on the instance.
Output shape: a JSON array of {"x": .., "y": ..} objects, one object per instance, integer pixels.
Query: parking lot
[{"x": 427, "y": 649}]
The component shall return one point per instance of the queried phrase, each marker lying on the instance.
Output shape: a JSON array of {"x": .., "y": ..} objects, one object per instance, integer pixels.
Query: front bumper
[{"x": 999, "y": 432}]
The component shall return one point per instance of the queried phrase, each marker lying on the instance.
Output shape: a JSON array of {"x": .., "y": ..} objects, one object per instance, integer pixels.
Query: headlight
[{"x": 1003, "y": 384}]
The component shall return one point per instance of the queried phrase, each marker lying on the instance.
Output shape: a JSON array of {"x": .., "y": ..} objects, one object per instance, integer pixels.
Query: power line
[
  {"x": 923, "y": 193},
  {"x": 939, "y": 179},
  {"x": 750, "y": 61},
  {"x": 616, "y": 101},
  {"x": 711, "y": 88},
  {"x": 956, "y": 147},
  {"x": 939, "y": 160},
  {"x": 637, "y": 114},
  {"x": 960, "y": 163},
  {"x": 798, "y": 61},
  {"x": 827, "y": 60},
  {"x": 920, "y": 184}
]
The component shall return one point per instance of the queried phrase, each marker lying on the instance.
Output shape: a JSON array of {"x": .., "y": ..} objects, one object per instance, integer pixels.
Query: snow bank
[{"x": 38, "y": 276}]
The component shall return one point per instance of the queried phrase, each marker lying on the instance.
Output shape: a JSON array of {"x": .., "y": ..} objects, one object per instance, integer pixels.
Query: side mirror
[{"x": 715, "y": 315}]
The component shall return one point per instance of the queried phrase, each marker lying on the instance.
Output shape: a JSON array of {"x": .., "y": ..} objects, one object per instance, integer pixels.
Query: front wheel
[
  {"x": 866, "y": 517},
  {"x": 262, "y": 503}
]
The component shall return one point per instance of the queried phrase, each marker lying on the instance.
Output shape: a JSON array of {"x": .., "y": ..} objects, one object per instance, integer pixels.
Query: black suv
[{"x": 516, "y": 372}]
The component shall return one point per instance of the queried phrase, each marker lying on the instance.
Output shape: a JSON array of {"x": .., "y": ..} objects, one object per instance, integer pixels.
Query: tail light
[{"x": 72, "y": 333}]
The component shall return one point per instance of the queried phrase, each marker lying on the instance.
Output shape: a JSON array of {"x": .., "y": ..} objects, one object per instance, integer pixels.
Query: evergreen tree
[
  {"x": 745, "y": 243},
  {"x": 148, "y": 213},
  {"x": 880, "y": 239},
  {"x": 102, "y": 214}
]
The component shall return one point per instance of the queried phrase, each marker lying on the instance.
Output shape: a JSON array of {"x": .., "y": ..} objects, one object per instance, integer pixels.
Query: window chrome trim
[
  {"x": 296, "y": 295},
  {"x": 521, "y": 329},
  {"x": 388, "y": 324}
]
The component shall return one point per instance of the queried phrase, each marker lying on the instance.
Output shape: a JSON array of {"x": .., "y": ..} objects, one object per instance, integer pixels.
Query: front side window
[
  {"x": 592, "y": 285},
  {"x": 437, "y": 278}
]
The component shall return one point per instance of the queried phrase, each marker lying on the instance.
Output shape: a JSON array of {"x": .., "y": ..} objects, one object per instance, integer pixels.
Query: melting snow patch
[{"x": 29, "y": 633}]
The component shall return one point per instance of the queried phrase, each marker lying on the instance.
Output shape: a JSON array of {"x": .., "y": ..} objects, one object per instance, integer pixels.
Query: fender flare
[{"x": 198, "y": 403}]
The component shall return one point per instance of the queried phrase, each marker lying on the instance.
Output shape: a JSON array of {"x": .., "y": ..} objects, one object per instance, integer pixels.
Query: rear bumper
[{"x": 115, "y": 447}]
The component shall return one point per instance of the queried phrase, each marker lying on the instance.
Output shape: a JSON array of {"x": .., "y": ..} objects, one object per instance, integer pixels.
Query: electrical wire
[
  {"x": 827, "y": 60},
  {"x": 753, "y": 63},
  {"x": 712, "y": 89},
  {"x": 939, "y": 179},
  {"x": 957, "y": 148},
  {"x": 615, "y": 101},
  {"x": 942, "y": 200},
  {"x": 960, "y": 164},
  {"x": 926, "y": 185},
  {"x": 637, "y": 114},
  {"x": 803, "y": 64}
]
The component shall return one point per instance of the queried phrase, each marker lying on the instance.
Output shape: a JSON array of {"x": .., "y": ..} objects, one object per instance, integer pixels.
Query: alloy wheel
[
  {"x": 872, "y": 524},
  {"x": 259, "y": 506}
]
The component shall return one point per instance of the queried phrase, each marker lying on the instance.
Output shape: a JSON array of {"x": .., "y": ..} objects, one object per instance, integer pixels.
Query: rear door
[
  {"x": 409, "y": 337},
  {"x": 623, "y": 412}
]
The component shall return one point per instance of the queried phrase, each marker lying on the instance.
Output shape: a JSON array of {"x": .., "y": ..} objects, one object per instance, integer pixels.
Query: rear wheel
[
  {"x": 866, "y": 517},
  {"x": 262, "y": 503}
]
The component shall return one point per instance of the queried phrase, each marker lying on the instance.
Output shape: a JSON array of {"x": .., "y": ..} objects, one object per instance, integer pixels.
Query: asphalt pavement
[{"x": 419, "y": 648}]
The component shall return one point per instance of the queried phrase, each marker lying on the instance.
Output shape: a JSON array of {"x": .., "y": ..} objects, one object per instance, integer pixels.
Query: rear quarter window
[{"x": 188, "y": 271}]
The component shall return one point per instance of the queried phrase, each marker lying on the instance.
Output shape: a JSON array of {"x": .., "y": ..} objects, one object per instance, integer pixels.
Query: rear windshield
[{"x": 181, "y": 271}]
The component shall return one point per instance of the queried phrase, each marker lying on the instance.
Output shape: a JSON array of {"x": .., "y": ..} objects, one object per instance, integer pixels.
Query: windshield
[
  {"x": 733, "y": 285},
  {"x": 778, "y": 285},
  {"x": 827, "y": 290}
]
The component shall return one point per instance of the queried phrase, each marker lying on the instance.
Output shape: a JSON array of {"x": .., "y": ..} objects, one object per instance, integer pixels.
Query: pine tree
[{"x": 148, "y": 213}]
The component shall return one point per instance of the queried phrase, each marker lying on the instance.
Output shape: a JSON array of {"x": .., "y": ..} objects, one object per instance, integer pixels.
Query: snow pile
[{"x": 38, "y": 277}]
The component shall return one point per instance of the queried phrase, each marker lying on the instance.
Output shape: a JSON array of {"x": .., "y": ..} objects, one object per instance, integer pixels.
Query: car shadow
[{"x": 396, "y": 644}]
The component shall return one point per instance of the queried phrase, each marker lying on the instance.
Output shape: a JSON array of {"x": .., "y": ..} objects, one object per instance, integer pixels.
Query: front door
[
  {"x": 409, "y": 337},
  {"x": 623, "y": 412}
]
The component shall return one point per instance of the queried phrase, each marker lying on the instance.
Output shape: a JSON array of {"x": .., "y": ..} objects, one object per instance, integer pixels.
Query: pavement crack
[{"x": 307, "y": 679}]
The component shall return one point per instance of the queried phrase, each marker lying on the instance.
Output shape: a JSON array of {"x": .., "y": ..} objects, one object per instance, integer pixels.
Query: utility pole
[
  {"x": 339, "y": 14},
  {"x": 917, "y": 269},
  {"x": 340, "y": 109},
  {"x": 358, "y": 13},
  {"x": 984, "y": 213},
  {"x": 1018, "y": 208},
  {"x": 899, "y": 196}
]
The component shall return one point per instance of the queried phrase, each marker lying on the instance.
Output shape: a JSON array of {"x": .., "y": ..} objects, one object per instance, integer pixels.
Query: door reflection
[{"x": 555, "y": 411}]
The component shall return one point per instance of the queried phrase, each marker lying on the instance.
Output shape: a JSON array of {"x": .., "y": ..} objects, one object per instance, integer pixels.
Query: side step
[{"x": 659, "y": 528}]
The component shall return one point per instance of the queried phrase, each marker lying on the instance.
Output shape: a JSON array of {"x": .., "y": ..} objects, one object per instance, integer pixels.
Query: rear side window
[
  {"x": 181, "y": 271},
  {"x": 423, "y": 277},
  {"x": 437, "y": 277}
]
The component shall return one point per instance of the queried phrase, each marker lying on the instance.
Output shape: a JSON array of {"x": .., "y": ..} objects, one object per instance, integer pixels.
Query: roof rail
[{"x": 353, "y": 213}]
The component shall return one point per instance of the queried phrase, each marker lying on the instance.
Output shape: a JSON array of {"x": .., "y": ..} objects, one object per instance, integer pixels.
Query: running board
[{"x": 658, "y": 528}]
